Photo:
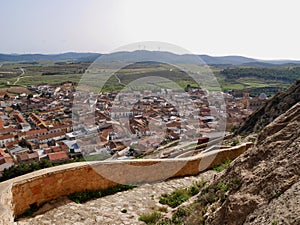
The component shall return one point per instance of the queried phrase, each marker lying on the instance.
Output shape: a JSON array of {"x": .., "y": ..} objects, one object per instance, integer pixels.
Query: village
[{"x": 47, "y": 124}]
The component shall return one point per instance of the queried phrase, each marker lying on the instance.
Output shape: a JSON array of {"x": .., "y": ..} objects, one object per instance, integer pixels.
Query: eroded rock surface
[{"x": 269, "y": 175}]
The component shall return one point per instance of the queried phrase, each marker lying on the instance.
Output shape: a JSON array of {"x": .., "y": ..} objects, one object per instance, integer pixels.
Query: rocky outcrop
[
  {"x": 283, "y": 210},
  {"x": 268, "y": 178},
  {"x": 276, "y": 106}
]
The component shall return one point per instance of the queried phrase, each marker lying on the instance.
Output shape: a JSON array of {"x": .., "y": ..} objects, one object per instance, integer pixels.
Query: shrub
[
  {"x": 276, "y": 194},
  {"x": 222, "y": 166},
  {"x": 175, "y": 198},
  {"x": 165, "y": 221},
  {"x": 180, "y": 215},
  {"x": 84, "y": 196},
  {"x": 163, "y": 209},
  {"x": 179, "y": 196},
  {"x": 235, "y": 143},
  {"x": 217, "y": 191},
  {"x": 151, "y": 218},
  {"x": 24, "y": 168},
  {"x": 222, "y": 186}
]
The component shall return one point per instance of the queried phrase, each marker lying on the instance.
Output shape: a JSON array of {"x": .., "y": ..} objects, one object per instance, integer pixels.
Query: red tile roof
[
  {"x": 57, "y": 156},
  {"x": 8, "y": 130},
  {"x": 1, "y": 124},
  {"x": 51, "y": 135},
  {"x": 35, "y": 132},
  {"x": 8, "y": 136},
  {"x": 56, "y": 148},
  {"x": 19, "y": 118}
]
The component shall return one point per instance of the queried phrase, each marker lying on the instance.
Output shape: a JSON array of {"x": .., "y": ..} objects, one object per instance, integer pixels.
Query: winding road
[
  {"x": 20, "y": 76},
  {"x": 119, "y": 80}
]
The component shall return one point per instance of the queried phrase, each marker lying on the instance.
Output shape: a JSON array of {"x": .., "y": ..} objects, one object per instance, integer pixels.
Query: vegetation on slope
[
  {"x": 84, "y": 196},
  {"x": 179, "y": 196}
]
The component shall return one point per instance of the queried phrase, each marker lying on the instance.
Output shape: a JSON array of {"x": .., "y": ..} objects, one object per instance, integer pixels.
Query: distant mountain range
[
  {"x": 38, "y": 57},
  {"x": 143, "y": 55}
]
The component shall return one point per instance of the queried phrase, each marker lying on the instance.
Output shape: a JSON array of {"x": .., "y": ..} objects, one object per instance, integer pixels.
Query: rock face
[
  {"x": 276, "y": 106},
  {"x": 269, "y": 179}
]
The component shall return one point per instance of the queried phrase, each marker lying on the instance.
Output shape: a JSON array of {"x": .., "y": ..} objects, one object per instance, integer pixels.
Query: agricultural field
[
  {"x": 15, "y": 76},
  {"x": 44, "y": 72}
]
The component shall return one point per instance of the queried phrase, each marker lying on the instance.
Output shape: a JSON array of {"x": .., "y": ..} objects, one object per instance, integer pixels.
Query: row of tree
[
  {"x": 286, "y": 74},
  {"x": 24, "y": 168}
]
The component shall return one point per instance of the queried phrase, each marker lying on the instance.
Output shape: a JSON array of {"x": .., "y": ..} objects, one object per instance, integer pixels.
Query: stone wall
[
  {"x": 6, "y": 209},
  {"x": 18, "y": 194}
]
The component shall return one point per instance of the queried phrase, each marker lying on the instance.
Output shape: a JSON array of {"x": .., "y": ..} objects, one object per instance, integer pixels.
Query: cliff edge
[{"x": 259, "y": 187}]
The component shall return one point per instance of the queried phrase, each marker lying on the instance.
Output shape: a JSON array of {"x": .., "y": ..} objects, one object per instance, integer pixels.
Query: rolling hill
[{"x": 143, "y": 55}]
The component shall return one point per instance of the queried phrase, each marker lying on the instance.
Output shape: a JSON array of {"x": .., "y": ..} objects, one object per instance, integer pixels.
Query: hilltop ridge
[{"x": 145, "y": 55}]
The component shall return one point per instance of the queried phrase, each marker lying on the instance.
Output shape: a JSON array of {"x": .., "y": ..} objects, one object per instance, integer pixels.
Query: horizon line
[{"x": 197, "y": 54}]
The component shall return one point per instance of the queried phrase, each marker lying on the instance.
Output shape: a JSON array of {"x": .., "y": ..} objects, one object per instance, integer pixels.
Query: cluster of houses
[
  {"x": 132, "y": 123},
  {"x": 34, "y": 127},
  {"x": 42, "y": 125},
  {"x": 239, "y": 108}
]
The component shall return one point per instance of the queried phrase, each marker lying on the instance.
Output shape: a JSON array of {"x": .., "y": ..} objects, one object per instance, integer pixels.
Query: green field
[{"x": 252, "y": 79}]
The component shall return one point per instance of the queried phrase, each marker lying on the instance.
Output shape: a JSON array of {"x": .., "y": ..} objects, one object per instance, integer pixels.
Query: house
[
  {"x": 52, "y": 136},
  {"x": 61, "y": 156},
  {"x": 28, "y": 157},
  {"x": 6, "y": 138},
  {"x": 56, "y": 148},
  {"x": 41, "y": 153},
  {"x": 37, "y": 121},
  {"x": 8, "y": 130},
  {"x": 11, "y": 144},
  {"x": 5, "y": 157},
  {"x": 32, "y": 134},
  {"x": 19, "y": 118},
  {"x": 5, "y": 166},
  {"x": 72, "y": 146}
]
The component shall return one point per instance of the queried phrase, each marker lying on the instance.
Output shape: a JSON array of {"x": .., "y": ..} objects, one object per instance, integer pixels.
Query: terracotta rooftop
[
  {"x": 57, "y": 156},
  {"x": 35, "y": 132},
  {"x": 7, "y": 136},
  {"x": 51, "y": 135},
  {"x": 1, "y": 123}
]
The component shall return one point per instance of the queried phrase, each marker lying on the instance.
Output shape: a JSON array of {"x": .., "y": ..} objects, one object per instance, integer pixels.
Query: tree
[
  {"x": 187, "y": 88},
  {"x": 6, "y": 97},
  {"x": 29, "y": 96}
]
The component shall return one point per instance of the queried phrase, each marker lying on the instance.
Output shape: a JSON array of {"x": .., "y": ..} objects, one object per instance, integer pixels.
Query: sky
[{"x": 265, "y": 29}]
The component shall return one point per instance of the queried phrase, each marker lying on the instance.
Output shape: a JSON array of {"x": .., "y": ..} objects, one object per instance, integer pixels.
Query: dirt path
[{"x": 20, "y": 76}]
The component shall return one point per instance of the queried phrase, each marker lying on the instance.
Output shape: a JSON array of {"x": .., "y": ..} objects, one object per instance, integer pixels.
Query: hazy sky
[{"x": 254, "y": 28}]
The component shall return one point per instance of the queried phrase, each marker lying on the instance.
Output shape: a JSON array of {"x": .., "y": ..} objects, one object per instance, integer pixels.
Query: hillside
[
  {"x": 277, "y": 105},
  {"x": 144, "y": 55},
  {"x": 55, "y": 57},
  {"x": 262, "y": 186}
]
